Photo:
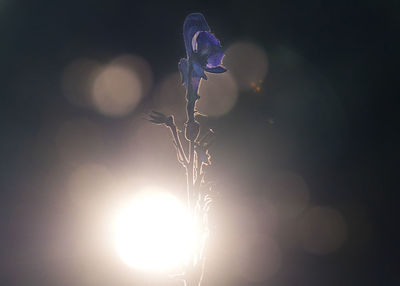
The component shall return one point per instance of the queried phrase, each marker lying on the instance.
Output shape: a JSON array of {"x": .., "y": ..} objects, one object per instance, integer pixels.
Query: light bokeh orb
[
  {"x": 116, "y": 91},
  {"x": 140, "y": 66},
  {"x": 153, "y": 232},
  {"x": 248, "y": 64},
  {"x": 289, "y": 193},
  {"x": 218, "y": 94},
  {"x": 113, "y": 89},
  {"x": 169, "y": 97}
]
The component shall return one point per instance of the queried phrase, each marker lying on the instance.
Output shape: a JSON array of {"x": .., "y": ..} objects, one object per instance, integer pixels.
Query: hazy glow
[
  {"x": 218, "y": 94},
  {"x": 288, "y": 192},
  {"x": 154, "y": 232},
  {"x": 169, "y": 97},
  {"x": 248, "y": 64},
  {"x": 138, "y": 150},
  {"x": 90, "y": 185},
  {"x": 117, "y": 90},
  {"x": 113, "y": 89},
  {"x": 78, "y": 140},
  {"x": 249, "y": 244},
  {"x": 259, "y": 259},
  {"x": 322, "y": 230},
  {"x": 140, "y": 66},
  {"x": 77, "y": 81}
]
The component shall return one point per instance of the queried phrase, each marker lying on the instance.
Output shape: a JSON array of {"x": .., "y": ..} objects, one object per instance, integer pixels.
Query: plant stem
[
  {"x": 178, "y": 144},
  {"x": 189, "y": 173},
  {"x": 191, "y": 133},
  {"x": 190, "y": 104}
]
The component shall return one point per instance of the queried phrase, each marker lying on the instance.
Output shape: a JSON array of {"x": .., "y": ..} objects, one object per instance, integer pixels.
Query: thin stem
[
  {"x": 191, "y": 101},
  {"x": 199, "y": 176},
  {"x": 191, "y": 132},
  {"x": 189, "y": 172},
  {"x": 178, "y": 144}
]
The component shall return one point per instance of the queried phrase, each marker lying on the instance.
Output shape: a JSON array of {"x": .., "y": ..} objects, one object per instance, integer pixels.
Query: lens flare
[{"x": 154, "y": 232}]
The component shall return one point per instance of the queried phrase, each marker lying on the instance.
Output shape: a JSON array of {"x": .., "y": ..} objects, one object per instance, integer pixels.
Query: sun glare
[{"x": 154, "y": 232}]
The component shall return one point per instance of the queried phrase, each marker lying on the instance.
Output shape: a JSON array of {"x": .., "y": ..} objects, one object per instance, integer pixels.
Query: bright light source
[{"x": 154, "y": 232}]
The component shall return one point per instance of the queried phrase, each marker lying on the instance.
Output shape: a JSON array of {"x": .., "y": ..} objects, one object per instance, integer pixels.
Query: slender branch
[
  {"x": 190, "y": 96},
  {"x": 178, "y": 156},
  {"x": 199, "y": 175},
  {"x": 178, "y": 143},
  {"x": 189, "y": 173},
  {"x": 190, "y": 130}
]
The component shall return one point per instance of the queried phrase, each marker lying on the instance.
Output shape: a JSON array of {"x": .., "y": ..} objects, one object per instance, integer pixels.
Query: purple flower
[{"x": 202, "y": 49}]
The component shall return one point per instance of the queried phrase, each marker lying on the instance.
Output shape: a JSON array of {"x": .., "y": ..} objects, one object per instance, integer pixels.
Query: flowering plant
[{"x": 203, "y": 54}]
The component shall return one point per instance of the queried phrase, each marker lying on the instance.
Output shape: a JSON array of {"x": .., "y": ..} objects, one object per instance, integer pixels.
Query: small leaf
[{"x": 158, "y": 117}]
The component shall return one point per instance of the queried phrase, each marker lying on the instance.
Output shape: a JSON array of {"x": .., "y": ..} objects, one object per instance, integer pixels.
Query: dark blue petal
[
  {"x": 194, "y": 23},
  {"x": 198, "y": 71},
  {"x": 205, "y": 41},
  {"x": 208, "y": 50},
  {"x": 215, "y": 59},
  {"x": 218, "y": 69}
]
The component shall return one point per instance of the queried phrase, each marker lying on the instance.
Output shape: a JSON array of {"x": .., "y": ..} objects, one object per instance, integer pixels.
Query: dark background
[{"x": 344, "y": 147}]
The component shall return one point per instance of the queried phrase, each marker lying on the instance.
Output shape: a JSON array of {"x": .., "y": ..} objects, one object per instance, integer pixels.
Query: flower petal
[
  {"x": 215, "y": 59},
  {"x": 218, "y": 69},
  {"x": 194, "y": 23},
  {"x": 206, "y": 40},
  {"x": 208, "y": 49},
  {"x": 198, "y": 71}
]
